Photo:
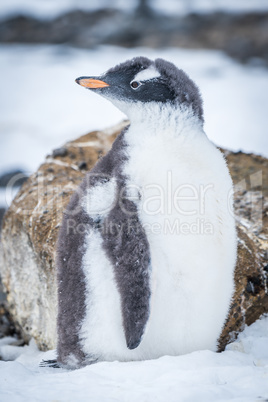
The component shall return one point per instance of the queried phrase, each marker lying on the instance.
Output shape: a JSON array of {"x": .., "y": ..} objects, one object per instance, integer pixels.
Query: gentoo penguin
[{"x": 147, "y": 246}]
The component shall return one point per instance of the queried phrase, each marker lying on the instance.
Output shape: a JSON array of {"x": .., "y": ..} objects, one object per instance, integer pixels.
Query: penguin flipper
[{"x": 128, "y": 250}]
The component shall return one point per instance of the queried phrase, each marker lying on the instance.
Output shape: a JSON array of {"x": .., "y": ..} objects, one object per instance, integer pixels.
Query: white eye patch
[{"x": 148, "y": 74}]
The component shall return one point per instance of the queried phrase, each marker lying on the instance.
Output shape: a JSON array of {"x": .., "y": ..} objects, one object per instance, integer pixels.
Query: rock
[
  {"x": 2, "y": 213},
  {"x": 31, "y": 225},
  {"x": 250, "y": 175},
  {"x": 14, "y": 178},
  {"x": 242, "y": 36},
  {"x": 60, "y": 152},
  {"x": 7, "y": 327}
]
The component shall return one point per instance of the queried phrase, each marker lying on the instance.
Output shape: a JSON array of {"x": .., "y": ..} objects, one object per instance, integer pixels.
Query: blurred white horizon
[
  {"x": 42, "y": 107},
  {"x": 52, "y": 8}
]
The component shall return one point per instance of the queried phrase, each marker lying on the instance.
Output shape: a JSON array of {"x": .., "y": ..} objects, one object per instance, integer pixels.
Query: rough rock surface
[
  {"x": 242, "y": 36},
  {"x": 31, "y": 225}
]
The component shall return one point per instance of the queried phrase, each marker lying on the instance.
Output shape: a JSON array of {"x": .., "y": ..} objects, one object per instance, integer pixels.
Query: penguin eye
[{"x": 135, "y": 84}]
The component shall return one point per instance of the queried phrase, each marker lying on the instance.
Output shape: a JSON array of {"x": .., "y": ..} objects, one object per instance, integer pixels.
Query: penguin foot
[{"x": 49, "y": 363}]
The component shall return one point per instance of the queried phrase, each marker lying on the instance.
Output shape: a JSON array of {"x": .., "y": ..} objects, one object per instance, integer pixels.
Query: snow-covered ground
[
  {"x": 52, "y": 8},
  {"x": 238, "y": 374}
]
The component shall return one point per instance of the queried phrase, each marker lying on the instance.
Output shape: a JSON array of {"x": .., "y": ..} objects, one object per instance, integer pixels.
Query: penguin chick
[{"x": 147, "y": 246}]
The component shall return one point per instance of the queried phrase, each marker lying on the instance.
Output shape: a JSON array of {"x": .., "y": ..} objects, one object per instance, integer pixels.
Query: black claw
[{"x": 49, "y": 363}]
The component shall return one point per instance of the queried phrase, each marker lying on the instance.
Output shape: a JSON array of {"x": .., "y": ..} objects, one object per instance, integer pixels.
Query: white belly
[{"x": 193, "y": 252}]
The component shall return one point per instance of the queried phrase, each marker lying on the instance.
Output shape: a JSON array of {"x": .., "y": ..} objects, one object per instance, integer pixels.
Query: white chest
[
  {"x": 180, "y": 185},
  {"x": 183, "y": 206}
]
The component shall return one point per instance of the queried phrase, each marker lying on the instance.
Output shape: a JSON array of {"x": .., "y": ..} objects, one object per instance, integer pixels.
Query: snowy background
[
  {"x": 52, "y": 8},
  {"x": 41, "y": 108}
]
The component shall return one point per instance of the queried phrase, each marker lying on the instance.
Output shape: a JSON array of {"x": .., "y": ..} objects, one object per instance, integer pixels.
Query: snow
[
  {"x": 42, "y": 107},
  {"x": 44, "y": 9},
  {"x": 239, "y": 374},
  {"x": 207, "y": 6},
  {"x": 53, "y": 8}
]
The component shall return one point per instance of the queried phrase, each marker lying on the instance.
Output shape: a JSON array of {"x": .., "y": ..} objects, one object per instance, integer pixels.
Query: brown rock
[
  {"x": 31, "y": 225},
  {"x": 250, "y": 176},
  {"x": 30, "y": 231}
]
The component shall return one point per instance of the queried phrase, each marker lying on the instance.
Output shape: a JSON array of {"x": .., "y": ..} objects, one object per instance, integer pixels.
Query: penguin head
[{"x": 137, "y": 84}]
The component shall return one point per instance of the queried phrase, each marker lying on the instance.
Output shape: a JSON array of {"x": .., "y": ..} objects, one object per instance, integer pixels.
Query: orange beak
[{"x": 91, "y": 83}]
